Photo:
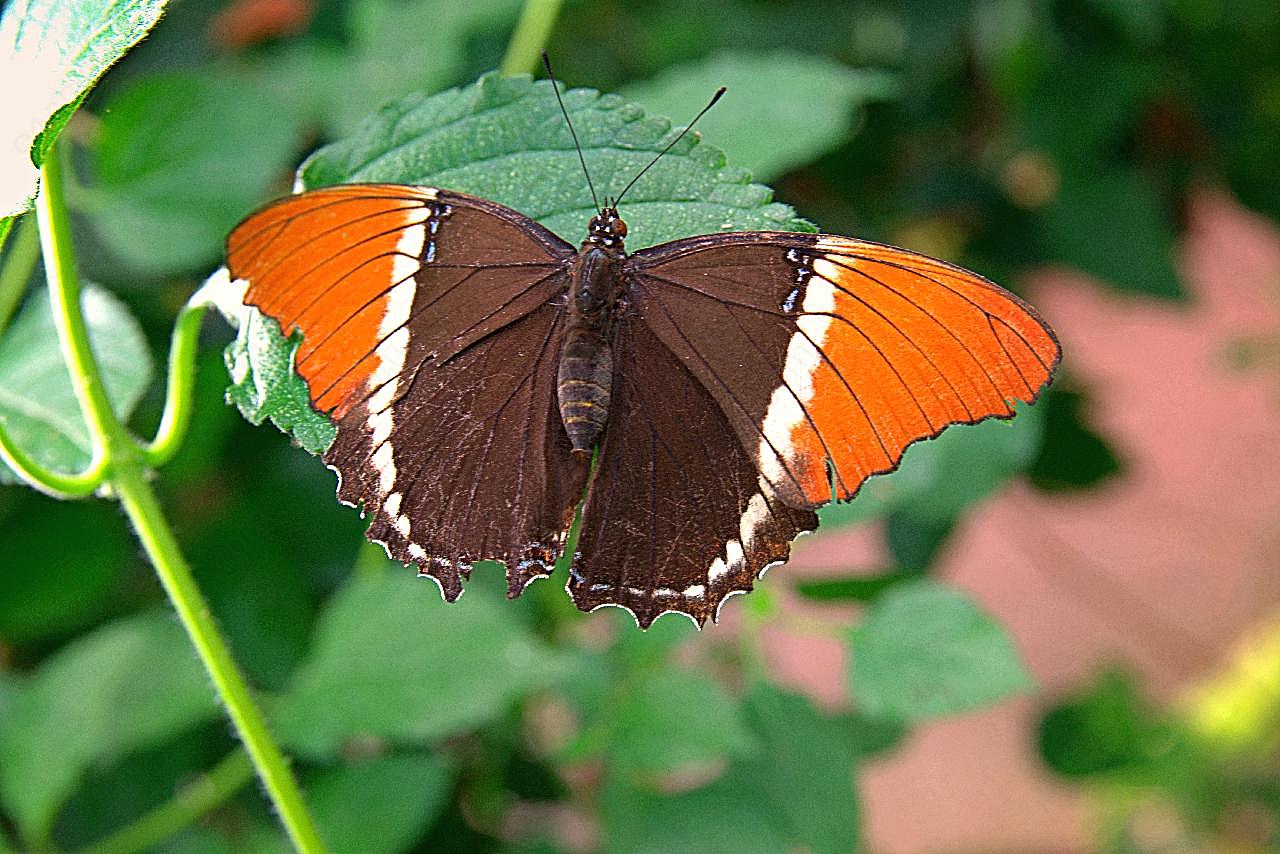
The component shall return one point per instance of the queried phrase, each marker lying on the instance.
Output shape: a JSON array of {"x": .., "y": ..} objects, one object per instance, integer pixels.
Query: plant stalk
[
  {"x": 212, "y": 789},
  {"x": 17, "y": 266},
  {"x": 524, "y": 51},
  {"x": 180, "y": 387},
  {"x": 126, "y": 475}
]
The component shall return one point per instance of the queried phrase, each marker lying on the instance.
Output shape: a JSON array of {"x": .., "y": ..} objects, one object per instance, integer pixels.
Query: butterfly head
[{"x": 606, "y": 228}]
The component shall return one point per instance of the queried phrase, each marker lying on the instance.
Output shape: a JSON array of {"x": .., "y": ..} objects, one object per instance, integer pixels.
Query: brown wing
[
  {"x": 429, "y": 335},
  {"x": 829, "y": 356},
  {"x": 676, "y": 517}
]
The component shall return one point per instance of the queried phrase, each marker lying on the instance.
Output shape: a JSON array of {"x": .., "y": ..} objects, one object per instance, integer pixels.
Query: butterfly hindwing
[
  {"x": 676, "y": 518},
  {"x": 829, "y": 356},
  {"x": 478, "y": 465},
  {"x": 429, "y": 335}
]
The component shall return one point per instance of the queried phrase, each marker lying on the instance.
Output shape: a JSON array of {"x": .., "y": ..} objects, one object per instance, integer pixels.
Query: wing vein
[{"x": 729, "y": 391}]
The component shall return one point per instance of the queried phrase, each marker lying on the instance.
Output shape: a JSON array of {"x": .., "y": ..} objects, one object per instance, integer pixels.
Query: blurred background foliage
[{"x": 1006, "y": 135}]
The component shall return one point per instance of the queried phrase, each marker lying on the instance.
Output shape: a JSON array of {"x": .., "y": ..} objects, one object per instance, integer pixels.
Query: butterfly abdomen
[
  {"x": 583, "y": 385},
  {"x": 585, "y": 377}
]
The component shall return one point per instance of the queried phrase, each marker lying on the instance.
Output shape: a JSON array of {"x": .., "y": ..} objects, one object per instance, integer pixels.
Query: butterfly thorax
[{"x": 584, "y": 380}]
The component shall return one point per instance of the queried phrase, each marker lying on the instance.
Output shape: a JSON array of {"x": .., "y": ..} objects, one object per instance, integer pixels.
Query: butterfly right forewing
[{"x": 831, "y": 355}]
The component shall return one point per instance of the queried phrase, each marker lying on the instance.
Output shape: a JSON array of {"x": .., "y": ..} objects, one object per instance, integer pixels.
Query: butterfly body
[
  {"x": 584, "y": 380},
  {"x": 729, "y": 384}
]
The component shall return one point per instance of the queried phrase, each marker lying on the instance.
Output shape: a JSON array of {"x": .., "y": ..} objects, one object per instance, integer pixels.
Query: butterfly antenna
[
  {"x": 546, "y": 61},
  {"x": 670, "y": 145}
]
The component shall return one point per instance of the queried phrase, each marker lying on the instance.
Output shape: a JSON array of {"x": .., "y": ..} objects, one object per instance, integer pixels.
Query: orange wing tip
[
  {"x": 891, "y": 348},
  {"x": 339, "y": 265}
]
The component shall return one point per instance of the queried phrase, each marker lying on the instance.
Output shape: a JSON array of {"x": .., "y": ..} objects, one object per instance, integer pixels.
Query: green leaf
[
  {"x": 129, "y": 685},
  {"x": 913, "y": 541},
  {"x": 1083, "y": 103},
  {"x": 795, "y": 792},
  {"x": 181, "y": 157},
  {"x": 16, "y": 265},
  {"x": 780, "y": 110},
  {"x": 714, "y": 819},
  {"x": 1103, "y": 730},
  {"x": 1072, "y": 456},
  {"x": 107, "y": 798},
  {"x": 37, "y": 402},
  {"x": 806, "y": 770},
  {"x": 392, "y": 662},
  {"x": 43, "y": 143},
  {"x": 47, "y": 588},
  {"x": 940, "y": 478},
  {"x": 9, "y": 687},
  {"x": 260, "y": 364},
  {"x": 666, "y": 720},
  {"x": 858, "y": 588},
  {"x": 870, "y": 736},
  {"x": 654, "y": 647},
  {"x": 503, "y": 138},
  {"x": 924, "y": 650},
  {"x": 57, "y": 49},
  {"x": 1112, "y": 225},
  {"x": 381, "y": 805},
  {"x": 399, "y": 46}
]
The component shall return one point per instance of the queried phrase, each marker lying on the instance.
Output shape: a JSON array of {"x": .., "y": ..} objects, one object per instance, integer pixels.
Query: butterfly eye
[{"x": 620, "y": 228}]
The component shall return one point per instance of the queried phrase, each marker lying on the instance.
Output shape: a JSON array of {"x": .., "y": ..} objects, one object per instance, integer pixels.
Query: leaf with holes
[{"x": 263, "y": 383}]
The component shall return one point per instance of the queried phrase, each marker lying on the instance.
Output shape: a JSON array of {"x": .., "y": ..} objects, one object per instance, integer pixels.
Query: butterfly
[{"x": 705, "y": 395}]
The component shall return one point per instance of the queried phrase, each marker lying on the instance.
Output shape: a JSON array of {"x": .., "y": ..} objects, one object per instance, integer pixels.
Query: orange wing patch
[
  {"x": 339, "y": 265},
  {"x": 890, "y": 348}
]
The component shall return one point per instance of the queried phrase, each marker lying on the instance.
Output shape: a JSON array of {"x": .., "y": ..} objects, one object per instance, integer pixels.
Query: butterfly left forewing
[
  {"x": 429, "y": 335},
  {"x": 829, "y": 356}
]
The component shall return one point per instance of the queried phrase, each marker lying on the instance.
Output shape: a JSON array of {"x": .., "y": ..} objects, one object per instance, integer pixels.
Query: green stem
[
  {"x": 19, "y": 264},
  {"x": 64, "y": 296},
  {"x": 751, "y": 644},
  {"x": 524, "y": 51},
  {"x": 157, "y": 538},
  {"x": 47, "y": 480},
  {"x": 180, "y": 389},
  {"x": 126, "y": 475},
  {"x": 195, "y": 800}
]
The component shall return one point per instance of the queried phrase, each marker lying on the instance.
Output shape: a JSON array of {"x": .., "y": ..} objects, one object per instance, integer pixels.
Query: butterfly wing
[
  {"x": 429, "y": 334},
  {"x": 829, "y": 356},
  {"x": 676, "y": 518},
  {"x": 759, "y": 376}
]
